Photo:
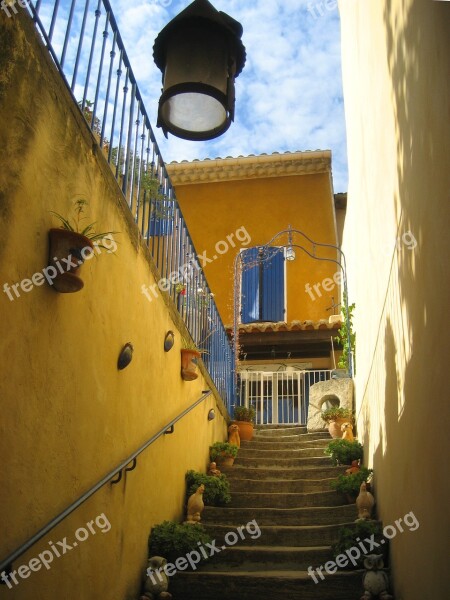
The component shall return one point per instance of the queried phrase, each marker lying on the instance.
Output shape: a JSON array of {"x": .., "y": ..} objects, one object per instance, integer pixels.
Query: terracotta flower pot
[
  {"x": 189, "y": 364},
  {"x": 245, "y": 430},
  {"x": 67, "y": 252},
  {"x": 334, "y": 427},
  {"x": 225, "y": 460}
]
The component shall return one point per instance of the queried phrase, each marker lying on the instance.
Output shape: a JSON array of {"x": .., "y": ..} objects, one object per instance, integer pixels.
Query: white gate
[{"x": 279, "y": 397}]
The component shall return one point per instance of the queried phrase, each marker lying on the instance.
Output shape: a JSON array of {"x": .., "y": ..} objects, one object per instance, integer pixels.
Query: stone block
[{"x": 319, "y": 393}]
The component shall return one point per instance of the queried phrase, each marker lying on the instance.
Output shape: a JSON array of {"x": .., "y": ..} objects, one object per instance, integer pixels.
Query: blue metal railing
[{"x": 84, "y": 41}]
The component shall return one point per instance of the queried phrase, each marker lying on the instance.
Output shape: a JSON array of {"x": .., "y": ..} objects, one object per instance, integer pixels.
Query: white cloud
[{"x": 289, "y": 95}]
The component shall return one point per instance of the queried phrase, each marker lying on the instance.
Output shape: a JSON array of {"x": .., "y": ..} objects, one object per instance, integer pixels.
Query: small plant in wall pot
[
  {"x": 70, "y": 245},
  {"x": 190, "y": 353}
]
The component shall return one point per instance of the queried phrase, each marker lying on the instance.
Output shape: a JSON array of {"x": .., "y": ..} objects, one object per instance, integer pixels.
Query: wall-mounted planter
[
  {"x": 67, "y": 252},
  {"x": 189, "y": 360}
]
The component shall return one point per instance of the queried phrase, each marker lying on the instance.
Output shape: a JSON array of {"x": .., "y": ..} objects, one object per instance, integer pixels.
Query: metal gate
[{"x": 279, "y": 397}]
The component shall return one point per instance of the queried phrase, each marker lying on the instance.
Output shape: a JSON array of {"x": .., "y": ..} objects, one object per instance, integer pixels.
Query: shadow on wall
[{"x": 416, "y": 350}]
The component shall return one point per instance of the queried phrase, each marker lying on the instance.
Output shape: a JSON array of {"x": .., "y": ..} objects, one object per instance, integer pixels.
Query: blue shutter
[
  {"x": 273, "y": 285},
  {"x": 250, "y": 286},
  {"x": 161, "y": 219}
]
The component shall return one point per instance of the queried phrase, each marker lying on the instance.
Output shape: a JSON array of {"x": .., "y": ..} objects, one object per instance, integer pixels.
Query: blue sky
[{"x": 289, "y": 95}]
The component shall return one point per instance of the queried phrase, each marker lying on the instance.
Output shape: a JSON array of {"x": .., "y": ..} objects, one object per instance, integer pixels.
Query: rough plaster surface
[{"x": 320, "y": 392}]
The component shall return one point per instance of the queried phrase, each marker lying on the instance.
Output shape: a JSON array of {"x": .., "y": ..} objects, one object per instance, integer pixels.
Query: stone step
[
  {"x": 265, "y": 585},
  {"x": 283, "y": 463},
  {"x": 281, "y": 431},
  {"x": 292, "y": 438},
  {"x": 279, "y": 445},
  {"x": 238, "y": 471},
  {"x": 285, "y": 486},
  {"x": 284, "y": 535},
  {"x": 314, "y": 515},
  {"x": 284, "y": 500},
  {"x": 262, "y": 454},
  {"x": 265, "y": 426},
  {"x": 267, "y": 558}
]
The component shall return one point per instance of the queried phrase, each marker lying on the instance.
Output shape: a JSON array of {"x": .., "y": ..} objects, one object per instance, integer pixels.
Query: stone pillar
[{"x": 342, "y": 389}]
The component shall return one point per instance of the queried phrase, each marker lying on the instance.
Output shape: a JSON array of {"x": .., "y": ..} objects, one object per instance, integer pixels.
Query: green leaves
[
  {"x": 217, "y": 489},
  {"x": 343, "y": 337},
  {"x": 220, "y": 448},
  {"x": 343, "y": 452},
  {"x": 172, "y": 540},
  {"x": 335, "y": 412},
  {"x": 244, "y": 413},
  {"x": 350, "y": 484},
  {"x": 88, "y": 231}
]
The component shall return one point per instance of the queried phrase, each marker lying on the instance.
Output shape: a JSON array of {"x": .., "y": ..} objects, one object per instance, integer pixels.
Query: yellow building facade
[{"x": 282, "y": 314}]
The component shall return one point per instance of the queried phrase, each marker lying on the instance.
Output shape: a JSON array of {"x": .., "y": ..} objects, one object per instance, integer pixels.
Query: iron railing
[
  {"x": 84, "y": 41},
  {"x": 279, "y": 397}
]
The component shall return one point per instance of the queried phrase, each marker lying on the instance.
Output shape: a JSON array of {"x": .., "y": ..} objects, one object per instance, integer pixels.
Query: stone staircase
[{"x": 281, "y": 480}]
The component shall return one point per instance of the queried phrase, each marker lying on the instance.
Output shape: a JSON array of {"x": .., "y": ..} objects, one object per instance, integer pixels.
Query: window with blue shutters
[{"x": 263, "y": 289}]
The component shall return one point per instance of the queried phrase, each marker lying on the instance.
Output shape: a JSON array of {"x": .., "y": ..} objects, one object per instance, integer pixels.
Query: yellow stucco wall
[
  {"x": 68, "y": 416},
  {"x": 263, "y": 207},
  {"x": 396, "y": 61}
]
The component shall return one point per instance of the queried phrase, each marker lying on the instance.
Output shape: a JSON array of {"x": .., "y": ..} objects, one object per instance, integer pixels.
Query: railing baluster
[
  {"x": 80, "y": 47},
  {"x": 69, "y": 27},
  {"x": 129, "y": 151},
  {"x": 100, "y": 70},
  {"x": 53, "y": 22},
  {"x": 98, "y": 12},
  {"x": 112, "y": 56},
  {"x": 113, "y": 122}
]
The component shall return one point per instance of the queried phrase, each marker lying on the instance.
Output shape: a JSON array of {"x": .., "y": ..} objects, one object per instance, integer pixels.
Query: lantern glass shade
[
  {"x": 290, "y": 253},
  {"x": 200, "y": 54},
  {"x": 195, "y": 85}
]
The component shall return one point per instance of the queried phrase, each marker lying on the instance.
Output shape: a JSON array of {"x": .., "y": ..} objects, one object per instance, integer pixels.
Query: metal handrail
[{"x": 118, "y": 470}]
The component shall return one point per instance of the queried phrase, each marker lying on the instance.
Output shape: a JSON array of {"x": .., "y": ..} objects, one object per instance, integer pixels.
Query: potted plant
[
  {"x": 70, "y": 245},
  {"x": 172, "y": 540},
  {"x": 189, "y": 361},
  {"x": 244, "y": 417},
  {"x": 217, "y": 488},
  {"x": 335, "y": 417},
  {"x": 190, "y": 353},
  {"x": 223, "y": 453},
  {"x": 351, "y": 535},
  {"x": 343, "y": 452},
  {"x": 348, "y": 485}
]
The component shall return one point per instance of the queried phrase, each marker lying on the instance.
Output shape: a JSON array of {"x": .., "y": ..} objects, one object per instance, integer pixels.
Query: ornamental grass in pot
[{"x": 244, "y": 418}]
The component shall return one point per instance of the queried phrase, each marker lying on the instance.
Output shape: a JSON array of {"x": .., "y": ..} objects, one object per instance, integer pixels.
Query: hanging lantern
[{"x": 200, "y": 53}]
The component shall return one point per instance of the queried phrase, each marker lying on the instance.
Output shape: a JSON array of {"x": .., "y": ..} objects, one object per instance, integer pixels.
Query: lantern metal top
[
  {"x": 200, "y": 53},
  {"x": 202, "y": 10}
]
